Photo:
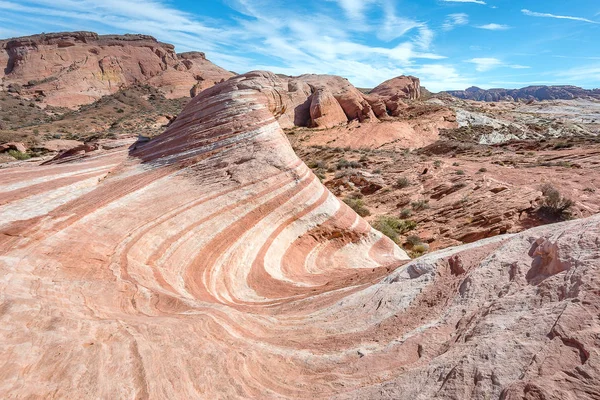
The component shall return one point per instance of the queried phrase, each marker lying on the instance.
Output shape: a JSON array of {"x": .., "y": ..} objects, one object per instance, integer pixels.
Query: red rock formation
[
  {"x": 349, "y": 98},
  {"x": 325, "y": 111},
  {"x": 74, "y": 68},
  {"x": 211, "y": 263},
  {"x": 407, "y": 87},
  {"x": 18, "y": 146},
  {"x": 393, "y": 92}
]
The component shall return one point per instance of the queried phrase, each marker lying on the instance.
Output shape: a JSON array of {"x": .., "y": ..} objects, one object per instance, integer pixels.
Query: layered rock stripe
[{"x": 211, "y": 263}]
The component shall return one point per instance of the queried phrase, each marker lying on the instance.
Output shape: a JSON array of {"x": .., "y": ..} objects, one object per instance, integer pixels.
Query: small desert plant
[
  {"x": 419, "y": 250},
  {"x": 376, "y": 171},
  {"x": 414, "y": 240},
  {"x": 420, "y": 205},
  {"x": 482, "y": 170},
  {"x": 554, "y": 203},
  {"x": 392, "y": 227},
  {"x": 589, "y": 190},
  {"x": 455, "y": 164},
  {"x": 317, "y": 164},
  {"x": 406, "y": 213},
  {"x": 437, "y": 163},
  {"x": 358, "y": 206},
  {"x": 402, "y": 182},
  {"x": 343, "y": 163},
  {"x": 18, "y": 155},
  {"x": 460, "y": 172}
]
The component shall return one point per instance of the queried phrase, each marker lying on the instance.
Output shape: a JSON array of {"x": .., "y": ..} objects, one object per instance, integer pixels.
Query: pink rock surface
[
  {"x": 59, "y": 144},
  {"x": 74, "y": 68},
  {"x": 407, "y": 87},
  {"x": 349, "y": 98},
  {"x": 18, "y": 146},
  {"x": 211, "y": 263},
  {"x": 325, "y": 111}
]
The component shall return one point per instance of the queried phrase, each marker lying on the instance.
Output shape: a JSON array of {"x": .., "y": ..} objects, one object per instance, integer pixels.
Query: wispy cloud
[
  {"x": 578, "y": 57},
  {"x": 454, "y": 20},
  {"x": 354, "y": 8},
  {"x": 425, "y": 37},
  {"x": 394, "y": 26},
  {"x": 484, "y": 64},
  {"x": 546, "y": 15},
  {"x": 494, "y": 27},
  {"x": 439, "y": 77},
  {"x": 584, "y": 74},
  {"x": 465, "y": 1}
]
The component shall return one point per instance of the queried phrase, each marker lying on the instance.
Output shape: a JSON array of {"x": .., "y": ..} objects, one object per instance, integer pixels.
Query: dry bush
[{"x": 554, "y": 203}]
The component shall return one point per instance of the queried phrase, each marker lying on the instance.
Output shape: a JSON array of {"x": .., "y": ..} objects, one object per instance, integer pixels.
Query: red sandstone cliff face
[
  {"x": 393, "y": 92},
  {"x": 75, "y": 68},
  {"x": 407, "y": 87}
]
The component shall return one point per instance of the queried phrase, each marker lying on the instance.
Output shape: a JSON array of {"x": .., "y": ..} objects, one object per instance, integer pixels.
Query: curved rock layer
[
  {"x": 74, "y": 68},
  {"x": 211, "y": 263}
]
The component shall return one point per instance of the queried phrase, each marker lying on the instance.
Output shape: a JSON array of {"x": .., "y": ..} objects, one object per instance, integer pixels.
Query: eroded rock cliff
[{"x": 74, "y": 68}]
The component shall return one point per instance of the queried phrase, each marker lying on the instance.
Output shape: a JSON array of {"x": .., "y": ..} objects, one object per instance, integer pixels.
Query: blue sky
[{"x": 449, "y": 44}]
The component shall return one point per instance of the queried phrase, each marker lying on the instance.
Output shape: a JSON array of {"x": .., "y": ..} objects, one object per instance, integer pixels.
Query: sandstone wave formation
[
  {"x": 69, "y": 69},
  {"x": 211, "y": 263}
]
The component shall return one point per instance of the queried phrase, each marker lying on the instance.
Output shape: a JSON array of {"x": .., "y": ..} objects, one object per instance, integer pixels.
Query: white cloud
[
  {"x": 354, "y": 8},
  {"x": 454, "y": 20},
  {"x": 262, "y": 34},
  {"x": 465, "y": 1},
  {"x": 546, "y": 15},
  {"x": 438, "y": 77},
  {"x": 494, "y": 27},
  {"x": 393, "y": 26},
  {"x": 425, "y": 37},
  {"x": 581, "y": 75},
  {"x": 485, "y": 63}
]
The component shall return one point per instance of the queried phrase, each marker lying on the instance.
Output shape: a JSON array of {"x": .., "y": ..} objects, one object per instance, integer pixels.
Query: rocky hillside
[
  {"x": 73, "y": 68},
  {"x": 528, "y": 93},
  {"x": 211, "y": 262}
]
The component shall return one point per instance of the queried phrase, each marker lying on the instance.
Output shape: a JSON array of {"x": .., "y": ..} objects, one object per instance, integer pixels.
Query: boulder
[
  {"x": 325, "y": 111},
  {"x": 18, "y": 146}
]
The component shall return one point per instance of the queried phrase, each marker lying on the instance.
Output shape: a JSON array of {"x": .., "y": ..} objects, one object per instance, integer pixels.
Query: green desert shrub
[
  {"x": 402, "y": 182},
  {"x": 358, "y": 205},
  {"x": 419, "y": 250},
  {"x": 343, "y": 164},
  {"x": 420, "y": 205},
  {"x": 392, "y": 226},
  {"x": 414, "y": 240},
  {"x": 18, "y": 155}
]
